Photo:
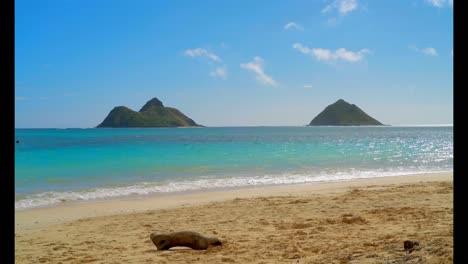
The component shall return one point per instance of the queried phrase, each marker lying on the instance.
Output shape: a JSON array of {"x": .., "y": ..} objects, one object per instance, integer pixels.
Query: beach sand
[{"x": 359, "y": 221}]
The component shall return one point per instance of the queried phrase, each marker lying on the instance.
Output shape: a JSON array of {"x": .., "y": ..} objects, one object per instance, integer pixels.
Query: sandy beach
[{"x": 359, "y": 221}]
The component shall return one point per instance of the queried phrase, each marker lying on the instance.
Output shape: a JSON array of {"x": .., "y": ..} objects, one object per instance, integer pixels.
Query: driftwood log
[{"x": 183, "y": 239}]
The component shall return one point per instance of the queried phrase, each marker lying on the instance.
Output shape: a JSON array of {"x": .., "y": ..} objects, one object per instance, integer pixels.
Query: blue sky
[{"x": 233, "y": 63}]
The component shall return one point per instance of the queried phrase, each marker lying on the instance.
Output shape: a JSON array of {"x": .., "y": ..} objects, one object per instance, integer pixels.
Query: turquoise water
[{"x": 57, "y": 165}]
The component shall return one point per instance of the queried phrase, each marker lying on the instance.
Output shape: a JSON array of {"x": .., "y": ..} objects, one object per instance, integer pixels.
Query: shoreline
[
  {"x": 138, "y": 191},
  {"x": 40, "y": 217}
]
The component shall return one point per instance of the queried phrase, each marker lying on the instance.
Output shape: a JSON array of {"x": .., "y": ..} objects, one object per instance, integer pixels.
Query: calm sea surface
[{"x": 59, "y": 165}]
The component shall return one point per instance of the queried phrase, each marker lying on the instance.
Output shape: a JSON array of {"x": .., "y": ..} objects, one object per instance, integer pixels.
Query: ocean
[{"x": 55, "y": 166}]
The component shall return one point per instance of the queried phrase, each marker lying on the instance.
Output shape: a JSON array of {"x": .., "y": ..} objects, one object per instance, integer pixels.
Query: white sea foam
[{"x": 202, "y": 184}]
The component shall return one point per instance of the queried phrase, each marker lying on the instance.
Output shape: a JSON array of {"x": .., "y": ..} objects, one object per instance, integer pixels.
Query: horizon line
[{"x": 385, "y": 125}]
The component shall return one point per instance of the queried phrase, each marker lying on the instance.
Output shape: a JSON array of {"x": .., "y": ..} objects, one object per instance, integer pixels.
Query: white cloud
[
  {"x": 20, "y": 98},
  {"x": 328, "y": 55},
  {"x": 256, "y": 66},
  {"x": 202, "y": 52},
  {"x": 343, "y": 6},
  {"x": 430, "y": 51},
  {"x": 427, "y": 51},
  {"x": 328, "y": 8},
  {"x": 220, "y": 72},
  {"x": 436, "y": 3},
  {"x": 293, "y": 25},
  {"x": 43, "y": 98},
  {"x": 346, "y": 6},
  {"x": 308, "y": 86},
  {"x": 440, "y": 3}
]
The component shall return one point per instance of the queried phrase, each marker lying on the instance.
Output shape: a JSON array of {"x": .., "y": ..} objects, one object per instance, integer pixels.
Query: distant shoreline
[{"x": 423, "y": 125}]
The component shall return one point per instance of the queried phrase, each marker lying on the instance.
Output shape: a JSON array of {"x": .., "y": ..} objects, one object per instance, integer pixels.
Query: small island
[
  {"x": 152, "y": 114},
  {"x": 342, "y": 113}
]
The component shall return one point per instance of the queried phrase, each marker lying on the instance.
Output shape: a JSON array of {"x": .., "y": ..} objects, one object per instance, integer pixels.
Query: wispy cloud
[
  {"x": 436, "y": 3},
  {"x": 427, "y": 51},
  {"x": 308, "y": 86},
  {"x": 329, "y": 55},
  {"x": 430, "y": 51},
  {"x": 342, "y": 6},
  {"x": 440, "y": 3},
  {"x": 202, "y": 52},
  {"x": 220, "y": 72},
  {"x": 256, "y": 66},
  {"x": 20, "y": 98},
  {"x": 293, "y": 25},
  {"x": 43, "y": 98}
]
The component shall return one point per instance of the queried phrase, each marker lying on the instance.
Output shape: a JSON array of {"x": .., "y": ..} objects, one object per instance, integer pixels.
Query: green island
[
  {"x": 342, "y": 113},
  {"x": 152, "y": 114}
]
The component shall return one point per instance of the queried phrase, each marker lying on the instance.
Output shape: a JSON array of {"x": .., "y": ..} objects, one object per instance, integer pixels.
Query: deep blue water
[{"x": 56, "y": 165}]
